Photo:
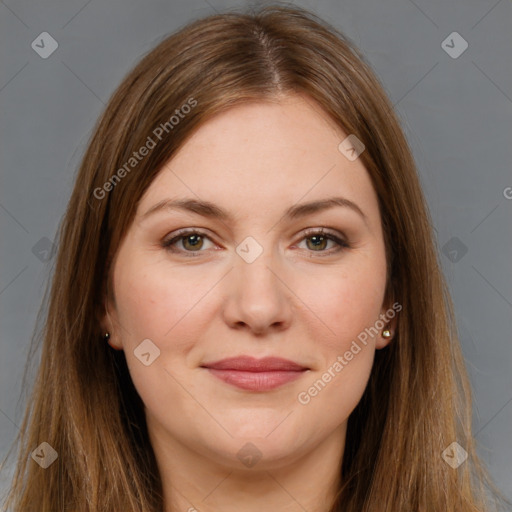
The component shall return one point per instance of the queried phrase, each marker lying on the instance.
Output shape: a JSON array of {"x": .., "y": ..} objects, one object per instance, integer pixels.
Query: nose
[{"x": 258, "y": 299}]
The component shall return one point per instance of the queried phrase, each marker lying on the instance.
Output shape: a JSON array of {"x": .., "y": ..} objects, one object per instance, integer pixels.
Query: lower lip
[{"x": 256, "y": 381}]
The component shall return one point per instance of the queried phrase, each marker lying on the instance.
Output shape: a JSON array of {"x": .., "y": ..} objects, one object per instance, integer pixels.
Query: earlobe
[
  {"x": 109, "y": 335},
  {"x": 108, "y": 338},
  {"x": 104, "y": 323},
  {"x": 388, "y": 332},
  {"x": 386, "y": 337},
  {"x": 107, "y": 327}
]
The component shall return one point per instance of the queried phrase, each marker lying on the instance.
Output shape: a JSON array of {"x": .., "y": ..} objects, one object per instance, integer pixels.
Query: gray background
[{"x": 456, "y": 112}]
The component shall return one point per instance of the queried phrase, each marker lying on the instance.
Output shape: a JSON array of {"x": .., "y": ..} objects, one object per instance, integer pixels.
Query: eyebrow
[{"x": 211, "y": 210}]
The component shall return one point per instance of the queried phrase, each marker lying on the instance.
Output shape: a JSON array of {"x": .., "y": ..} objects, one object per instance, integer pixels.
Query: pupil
[
  {"x": 195, "y": 240},
  {"x": 317, "y": 240}
]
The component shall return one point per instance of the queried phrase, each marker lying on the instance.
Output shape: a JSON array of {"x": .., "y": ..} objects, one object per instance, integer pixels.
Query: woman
[{"x": 247, "y": 310}]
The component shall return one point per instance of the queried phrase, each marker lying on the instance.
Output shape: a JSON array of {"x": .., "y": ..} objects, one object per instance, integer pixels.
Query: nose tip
[{"x": 257, "y": 300}]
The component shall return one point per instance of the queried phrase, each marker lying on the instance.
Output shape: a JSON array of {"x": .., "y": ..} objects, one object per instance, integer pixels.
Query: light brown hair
[{"x": 83, "y": 402}]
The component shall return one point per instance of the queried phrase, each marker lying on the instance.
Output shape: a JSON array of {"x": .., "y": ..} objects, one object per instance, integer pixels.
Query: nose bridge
[{"x": 253, "y": 268}]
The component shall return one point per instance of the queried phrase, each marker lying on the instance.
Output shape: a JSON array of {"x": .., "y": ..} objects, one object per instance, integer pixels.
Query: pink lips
[{"x": 256, "y": 374}]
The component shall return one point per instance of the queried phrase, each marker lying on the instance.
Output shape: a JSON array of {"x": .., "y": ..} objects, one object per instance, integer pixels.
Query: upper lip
[{"x": 251, "y": 364}]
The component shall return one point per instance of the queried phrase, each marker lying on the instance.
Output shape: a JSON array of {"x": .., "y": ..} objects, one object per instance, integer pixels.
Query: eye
[
  {"x": 317, "y": 240},
  {"x": 193, "y": 242}
]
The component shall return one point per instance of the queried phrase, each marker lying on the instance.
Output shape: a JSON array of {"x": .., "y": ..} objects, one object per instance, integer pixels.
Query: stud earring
[
  {"x": 106, "y": 336},
  {"x": 386, "y": 333}
]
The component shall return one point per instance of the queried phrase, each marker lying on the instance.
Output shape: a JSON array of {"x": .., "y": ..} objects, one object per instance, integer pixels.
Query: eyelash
[{"x": 181, "y": 234}]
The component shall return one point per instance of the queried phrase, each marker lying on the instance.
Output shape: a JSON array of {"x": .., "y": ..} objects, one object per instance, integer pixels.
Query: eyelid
[
  {"x": 168, "y": 241},
  {"x": 339, "y": 238},
  {"x": 324, "y": 231}
]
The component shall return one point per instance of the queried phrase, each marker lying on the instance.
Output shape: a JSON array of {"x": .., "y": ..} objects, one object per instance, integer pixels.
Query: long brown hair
[{"x": 83, "y": 402}]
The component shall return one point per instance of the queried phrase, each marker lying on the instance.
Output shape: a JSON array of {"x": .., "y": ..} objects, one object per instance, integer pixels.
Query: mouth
[{"x": 256, "y": 374}]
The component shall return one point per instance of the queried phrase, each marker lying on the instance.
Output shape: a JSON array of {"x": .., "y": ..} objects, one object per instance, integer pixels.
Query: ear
[
  {"x": 389, "y": 316},
  {"x": 106, "y": 320}
]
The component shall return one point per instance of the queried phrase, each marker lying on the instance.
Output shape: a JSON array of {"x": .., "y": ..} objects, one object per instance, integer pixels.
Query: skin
[{"x": 294, "y": 301}]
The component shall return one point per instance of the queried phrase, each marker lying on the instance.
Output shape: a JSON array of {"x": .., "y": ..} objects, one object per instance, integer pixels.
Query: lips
[
  {"x": 251, "y": 364},
  {"x": 254, "y": 374}
]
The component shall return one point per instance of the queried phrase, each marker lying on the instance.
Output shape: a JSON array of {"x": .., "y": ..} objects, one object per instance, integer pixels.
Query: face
[{"x": 270, "y": 278}]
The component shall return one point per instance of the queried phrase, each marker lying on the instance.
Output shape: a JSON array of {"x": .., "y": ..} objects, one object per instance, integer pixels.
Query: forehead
[{"x": 260, "y": 154}]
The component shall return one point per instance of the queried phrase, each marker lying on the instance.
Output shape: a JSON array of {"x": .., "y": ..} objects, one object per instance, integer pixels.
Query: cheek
[
  {"x": 345, "y": 301},
  {"x": 348, "y": 307},
  {"x": 155, "y": 301},
  {"x": 171, "y": 306},
  {"x": 165, "y": 305}
]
